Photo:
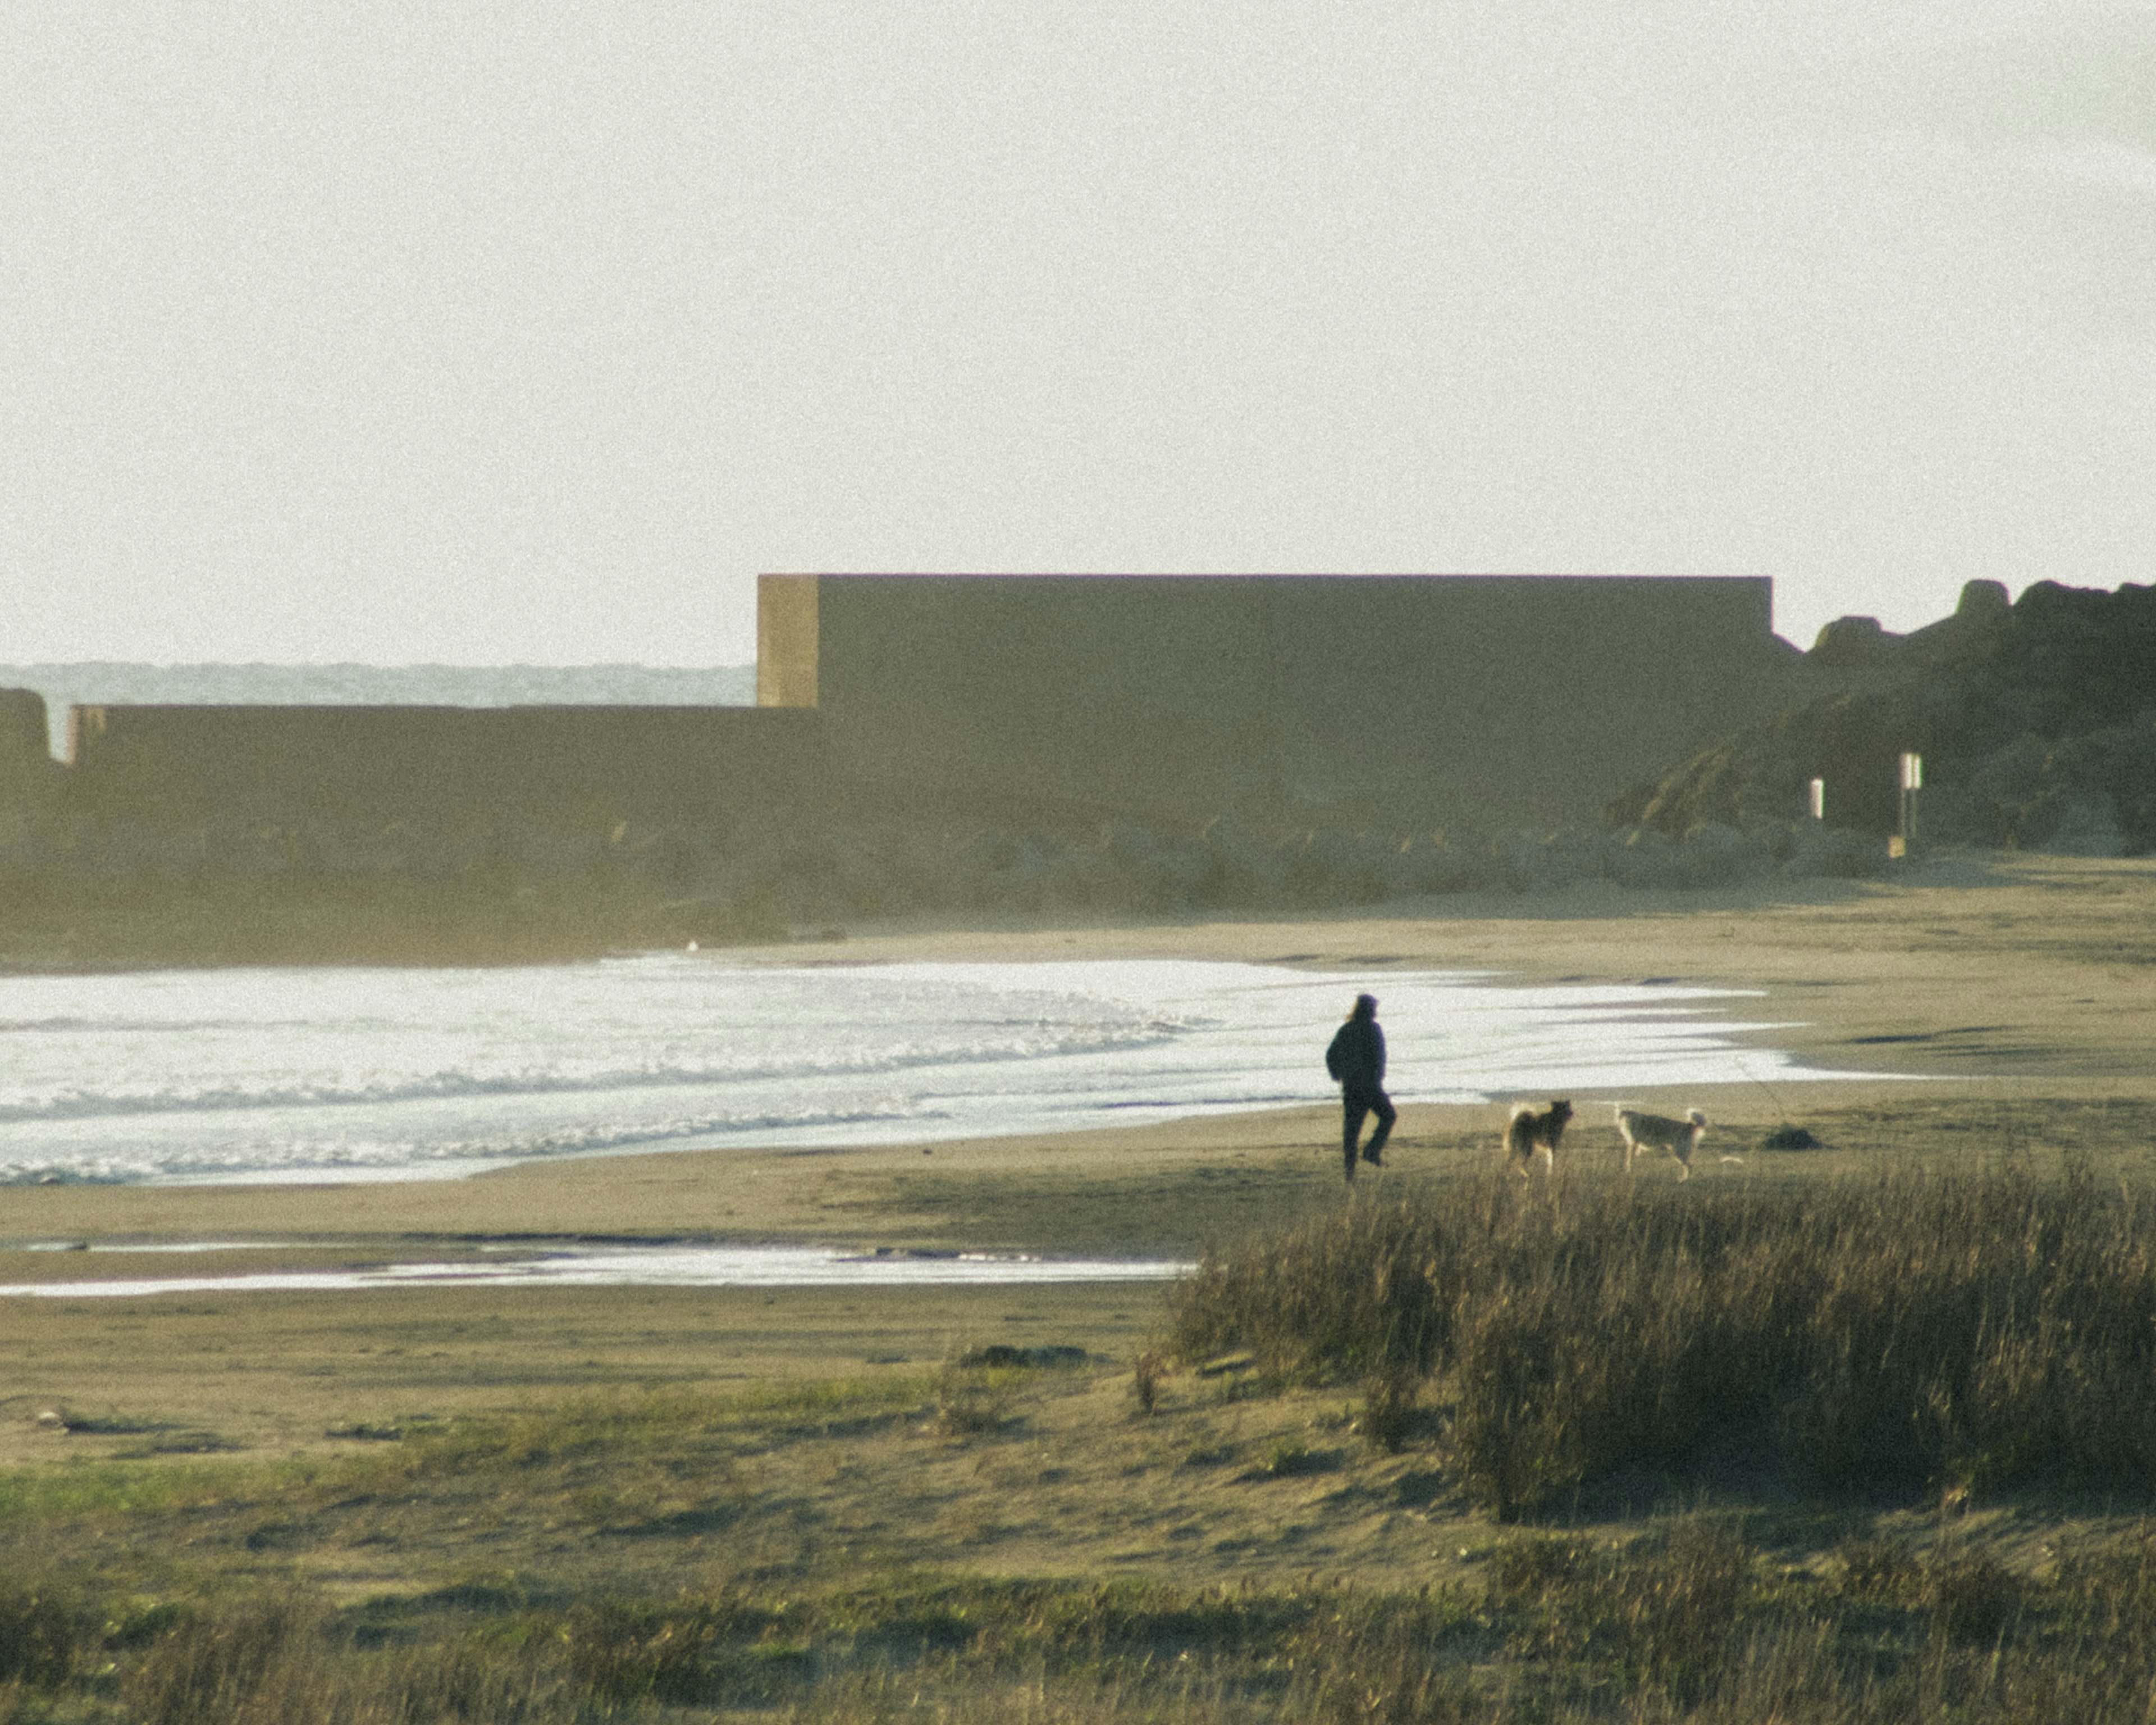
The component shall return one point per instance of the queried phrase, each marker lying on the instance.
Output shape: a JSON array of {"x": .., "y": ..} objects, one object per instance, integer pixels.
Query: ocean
[{"x": 178, "y": 1076}]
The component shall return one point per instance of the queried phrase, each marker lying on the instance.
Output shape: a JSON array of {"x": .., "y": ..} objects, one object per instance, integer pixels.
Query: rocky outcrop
[
  {"x": 2037, "y": 722},
  {"x": 1859, "y": 646}
]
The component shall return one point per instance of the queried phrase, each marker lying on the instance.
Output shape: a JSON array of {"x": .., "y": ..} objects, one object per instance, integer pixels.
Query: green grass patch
[{"x": 94, "y": 1488}]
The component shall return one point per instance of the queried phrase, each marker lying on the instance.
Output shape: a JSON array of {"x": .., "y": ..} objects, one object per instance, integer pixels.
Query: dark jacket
[{"x": 1357, "y": 1057}]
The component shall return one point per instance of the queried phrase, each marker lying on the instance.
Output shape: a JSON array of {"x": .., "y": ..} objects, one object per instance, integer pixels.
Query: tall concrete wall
[
  {"x": 1468, "y": 698},
  {"x": 555, "y": 766}
]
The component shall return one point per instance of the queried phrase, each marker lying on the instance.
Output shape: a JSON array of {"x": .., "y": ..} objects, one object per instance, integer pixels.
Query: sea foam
[{"x": 356, "y": 1074}]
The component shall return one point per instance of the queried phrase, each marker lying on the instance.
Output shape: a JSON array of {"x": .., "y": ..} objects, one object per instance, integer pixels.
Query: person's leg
[
  {"x": 1382, "y": 1105},
  {"x": 1353, "y": 1109}
]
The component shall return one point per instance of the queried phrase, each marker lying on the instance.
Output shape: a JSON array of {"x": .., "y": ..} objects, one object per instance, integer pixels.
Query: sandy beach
[
  {"x": 2017, "y": 991},
  {"x": 2000, "y": 978}
]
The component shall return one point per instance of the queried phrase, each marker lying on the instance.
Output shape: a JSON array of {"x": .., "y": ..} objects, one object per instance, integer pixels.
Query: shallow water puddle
[{"x": 679, "y": 1266}]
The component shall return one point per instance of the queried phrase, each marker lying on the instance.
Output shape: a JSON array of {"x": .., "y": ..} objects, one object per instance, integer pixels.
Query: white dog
[{"x": 1656, "y": 1132}]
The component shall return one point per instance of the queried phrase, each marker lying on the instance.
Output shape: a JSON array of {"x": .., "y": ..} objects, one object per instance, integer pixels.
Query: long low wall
[{"x": 555, "y": 766}]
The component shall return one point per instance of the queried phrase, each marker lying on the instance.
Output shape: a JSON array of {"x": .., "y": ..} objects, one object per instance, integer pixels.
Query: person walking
[{"x": 1356, "y": 1061}]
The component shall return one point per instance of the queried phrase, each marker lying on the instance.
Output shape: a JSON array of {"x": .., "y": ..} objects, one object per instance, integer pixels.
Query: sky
[{"x": 497, "y": 333}]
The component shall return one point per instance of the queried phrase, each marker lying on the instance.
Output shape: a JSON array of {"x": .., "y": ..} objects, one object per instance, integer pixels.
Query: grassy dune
[{"x": 1857, "y": 1446}]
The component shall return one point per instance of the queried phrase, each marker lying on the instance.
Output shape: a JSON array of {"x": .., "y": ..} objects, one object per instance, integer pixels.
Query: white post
[
  {"x": 1818, "y": 799},
  {"x": 1912, "y": 780}
]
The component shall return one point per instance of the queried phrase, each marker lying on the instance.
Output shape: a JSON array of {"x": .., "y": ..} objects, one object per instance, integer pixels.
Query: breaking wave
[
  {"x": 376, "y": 1074},
  {"x": 86, "y": 1104}
]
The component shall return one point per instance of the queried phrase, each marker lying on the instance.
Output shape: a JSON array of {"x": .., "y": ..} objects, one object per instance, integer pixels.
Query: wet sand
[{"x": 2006, "y": 984}]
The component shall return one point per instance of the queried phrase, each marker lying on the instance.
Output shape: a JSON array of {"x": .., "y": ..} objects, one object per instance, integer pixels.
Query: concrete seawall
[{"x": 1389, "y": 700}]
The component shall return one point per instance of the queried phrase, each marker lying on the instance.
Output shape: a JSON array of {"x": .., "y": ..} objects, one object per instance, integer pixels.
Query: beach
[
  {"x": 2005, "y": 989},
  {"x": 788, "y": 1481}
]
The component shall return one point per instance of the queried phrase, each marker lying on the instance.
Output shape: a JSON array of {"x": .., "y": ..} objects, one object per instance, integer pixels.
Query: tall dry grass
[
  {"x": 1966, "y": 1326},
  {"x": 286, "y": 1659},
  {"x": 1682, "y": 1619}
]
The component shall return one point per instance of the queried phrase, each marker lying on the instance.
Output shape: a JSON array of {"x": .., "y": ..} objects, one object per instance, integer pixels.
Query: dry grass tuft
[
  {"x": 1146, "y": 1375},
  {"x": 1391, "y": 1410},
  {"x": 286, "y": 1659},
  {"x": 976, "y": 1401},
  {"x": 1966, "y": 1328}
]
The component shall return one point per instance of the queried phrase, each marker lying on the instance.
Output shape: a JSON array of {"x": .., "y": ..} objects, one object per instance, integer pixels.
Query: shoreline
[
  {"x": 2035, "y": 977},
  {"x": 345, "y": 1078}
]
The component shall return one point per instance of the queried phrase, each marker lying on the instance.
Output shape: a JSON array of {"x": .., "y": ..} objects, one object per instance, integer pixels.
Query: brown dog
[{"x": 1529, "y": 1132}]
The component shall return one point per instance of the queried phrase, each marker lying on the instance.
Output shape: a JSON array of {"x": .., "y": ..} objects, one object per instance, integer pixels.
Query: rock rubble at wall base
[{"x": 124, "y": 895}]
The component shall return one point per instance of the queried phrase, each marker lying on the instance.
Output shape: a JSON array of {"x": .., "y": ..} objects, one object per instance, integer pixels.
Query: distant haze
[
  {"x": 94, "y": 683},
  {"x": 492, "y": 336}
]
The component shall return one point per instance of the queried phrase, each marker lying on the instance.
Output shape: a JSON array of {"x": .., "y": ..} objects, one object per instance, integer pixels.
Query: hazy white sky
[{"x": 495, "y": 332}]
